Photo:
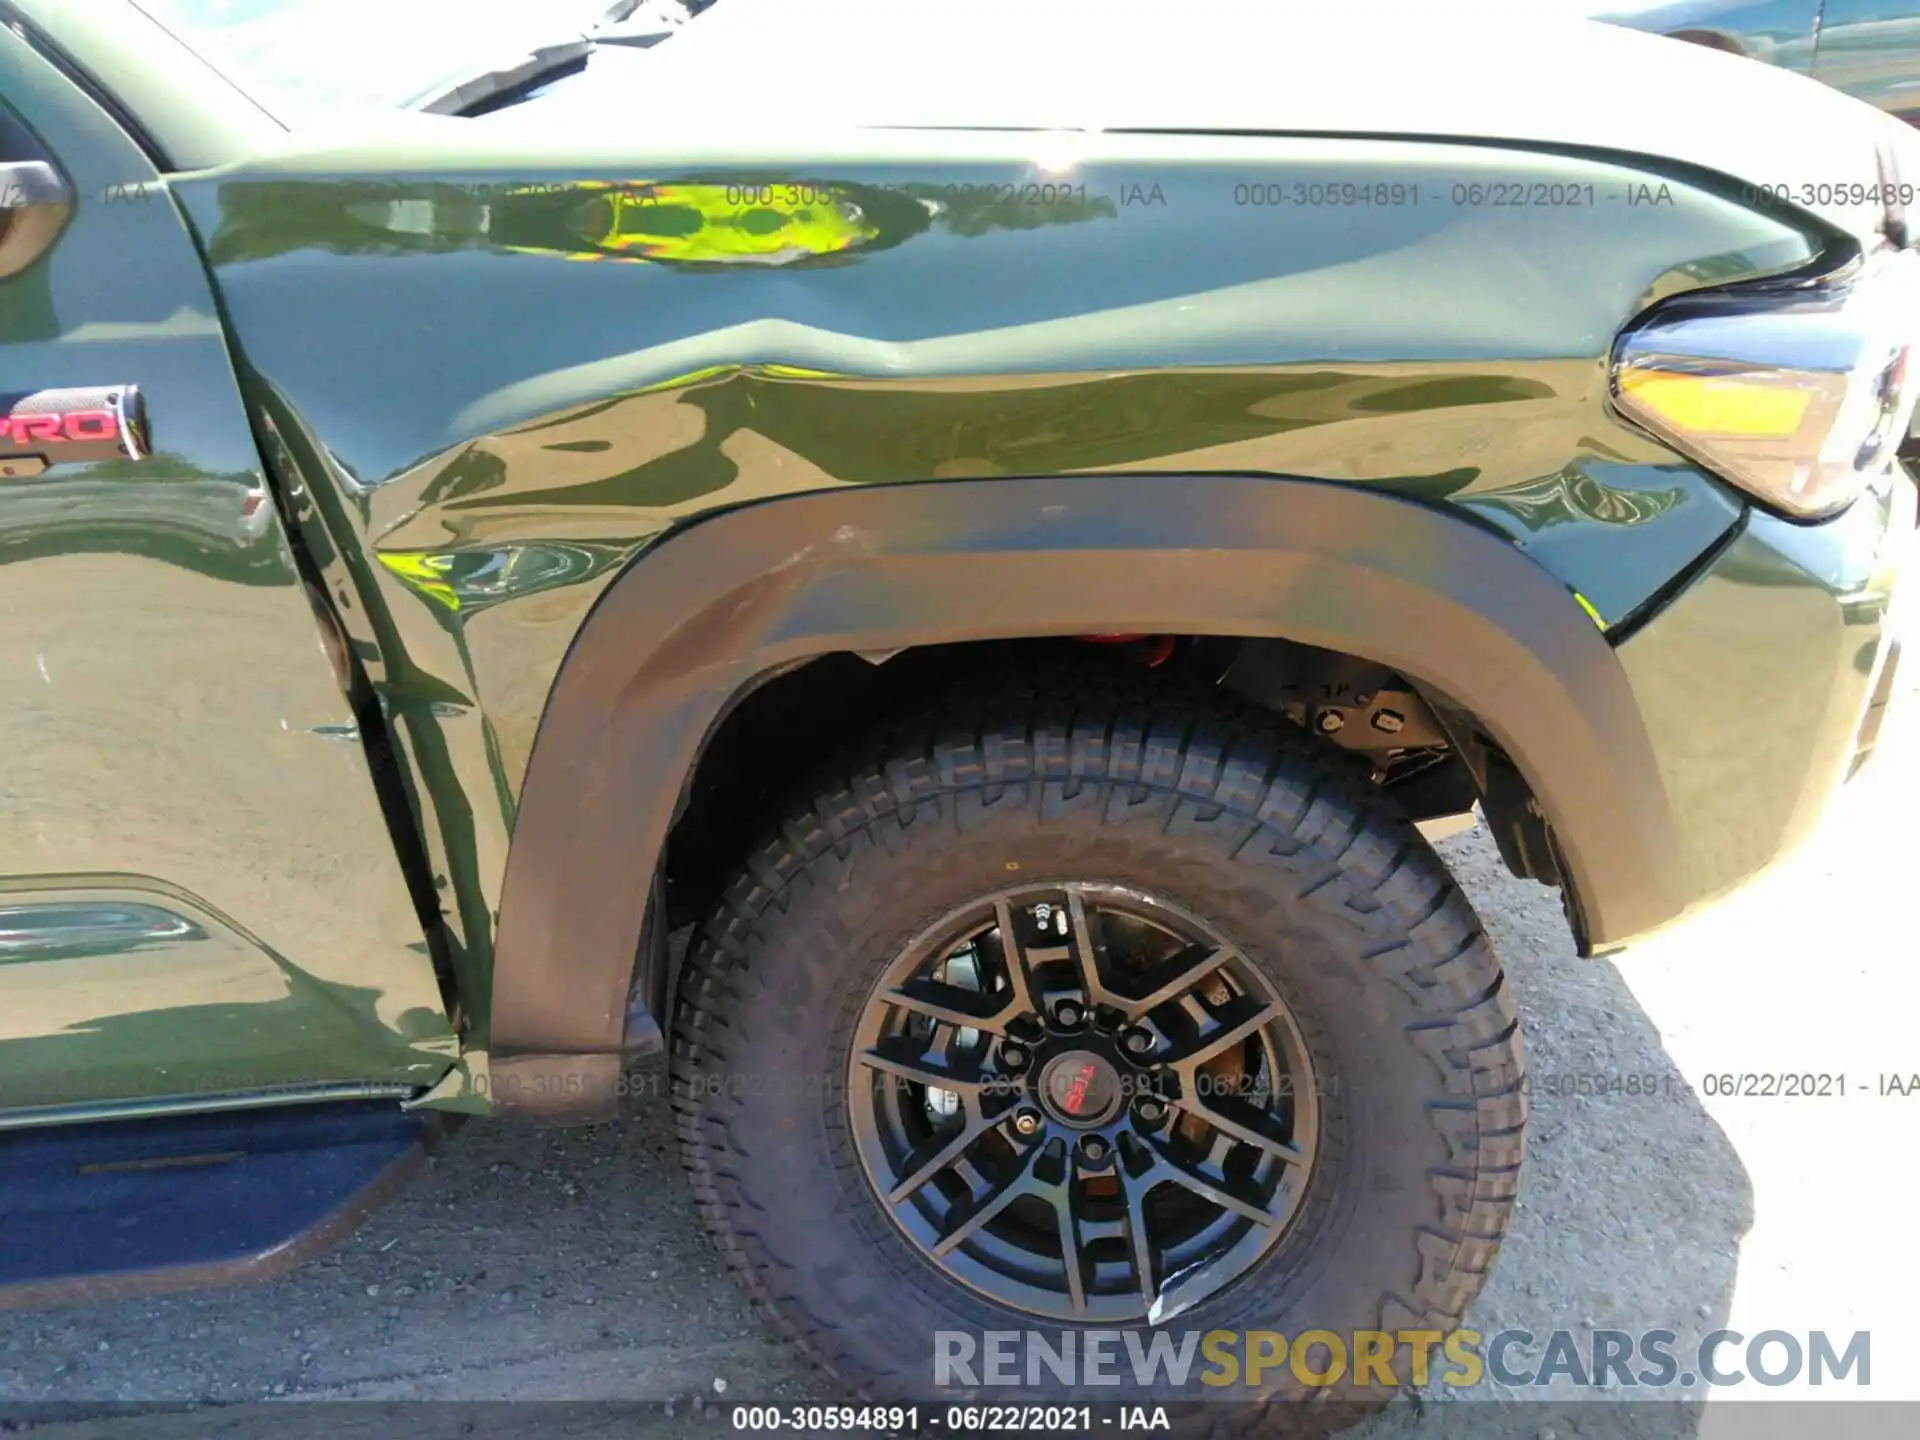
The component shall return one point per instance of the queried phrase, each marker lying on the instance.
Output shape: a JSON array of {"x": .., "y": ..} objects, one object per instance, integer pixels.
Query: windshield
[{"x": 303, "y": 58}]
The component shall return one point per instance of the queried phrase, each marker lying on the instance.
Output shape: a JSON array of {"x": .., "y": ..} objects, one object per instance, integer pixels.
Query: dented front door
[{"x": 199, "y": 898}]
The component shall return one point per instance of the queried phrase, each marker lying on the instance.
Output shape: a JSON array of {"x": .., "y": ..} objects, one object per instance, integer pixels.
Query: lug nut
[
  {"x": 1067, "y": 1013},
  {"x": 1026, "y": 1122},
  {"x": 1013, "y": 1057},
  {"x": 1094, "y": 1150},
  {"x": 1137, "y": 1042},
  {"x": 1150, "y": 1110}
]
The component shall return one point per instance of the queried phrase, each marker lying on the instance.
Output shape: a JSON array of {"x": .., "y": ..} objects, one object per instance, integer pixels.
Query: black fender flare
[{"x": 695, "y": 619}]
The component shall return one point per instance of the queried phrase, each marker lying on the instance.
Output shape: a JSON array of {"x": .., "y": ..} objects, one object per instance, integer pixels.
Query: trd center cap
[{"x": 1081, "y": 1089}]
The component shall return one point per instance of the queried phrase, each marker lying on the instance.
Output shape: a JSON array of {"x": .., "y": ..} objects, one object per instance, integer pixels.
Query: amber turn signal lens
[{"x": 1797, "y": 391}]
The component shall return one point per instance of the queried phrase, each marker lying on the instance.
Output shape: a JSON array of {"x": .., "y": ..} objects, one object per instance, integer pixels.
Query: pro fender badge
[{"x": 106, "y": 422}]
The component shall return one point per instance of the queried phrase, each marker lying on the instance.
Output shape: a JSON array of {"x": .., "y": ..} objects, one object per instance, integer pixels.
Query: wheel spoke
[
  {"x": 1086, "y": 958},
  {"x": 1146, "y": 1269},
  {"x": 951, "y": 1005},
  {"x": 1168, "y": 1167},
  {"x": 1070, "y": 1254},
  {"x": 1019, "y": 1183},
  {"x": 910, "y": 1063},
  {"x": 1245, "y": 1127},
  {"x": 1174, "y": 979},
  {"x": 1013, "y": 956},
  {"x": 1058, "y": 1192},
  {"x": 1254, "y": 1016},
  {"x": 976, "y": 1125}
]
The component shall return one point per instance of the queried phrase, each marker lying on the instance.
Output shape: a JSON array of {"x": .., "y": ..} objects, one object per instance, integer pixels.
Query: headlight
[{"x": 1798, "y": 392}]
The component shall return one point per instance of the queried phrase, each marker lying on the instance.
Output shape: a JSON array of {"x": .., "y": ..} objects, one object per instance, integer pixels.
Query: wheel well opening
[{"x": 776, "y": 738}]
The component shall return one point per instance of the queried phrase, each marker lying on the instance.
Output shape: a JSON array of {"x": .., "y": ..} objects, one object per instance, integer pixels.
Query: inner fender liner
[{"x": 710, "y": 607}]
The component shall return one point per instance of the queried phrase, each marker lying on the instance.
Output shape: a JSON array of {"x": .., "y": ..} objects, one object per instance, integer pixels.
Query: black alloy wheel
[{"x": 1074, "y": 1097}]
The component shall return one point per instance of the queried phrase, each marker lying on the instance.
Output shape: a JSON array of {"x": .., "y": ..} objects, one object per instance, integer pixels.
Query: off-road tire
[{"x": 1267, "y": 833}]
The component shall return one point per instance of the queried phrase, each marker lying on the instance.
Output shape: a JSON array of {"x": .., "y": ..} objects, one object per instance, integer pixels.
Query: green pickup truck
[{"x": 951, "y": 610}]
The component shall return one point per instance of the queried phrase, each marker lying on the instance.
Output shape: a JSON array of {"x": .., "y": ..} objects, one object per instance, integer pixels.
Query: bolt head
[
  {"x": 1391, "y": 721},
  {"x": 1330, "y": 721},
  {"x": 1014, "y": 1057},
  {"x": 1137, "y": 1042},
  {"x": 1068, "y": 1013},
  {"x": 1026, "y": 1122},
  {"x": 1149, "y": 1110},
  {"x": 1094, "y": 1150}
]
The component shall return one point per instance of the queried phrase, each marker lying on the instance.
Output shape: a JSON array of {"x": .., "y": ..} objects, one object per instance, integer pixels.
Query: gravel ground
[{"x": 570, "y": 1265}]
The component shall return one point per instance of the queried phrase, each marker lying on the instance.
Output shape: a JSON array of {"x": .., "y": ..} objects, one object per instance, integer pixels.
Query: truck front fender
[{"x": 697, "y": 618}]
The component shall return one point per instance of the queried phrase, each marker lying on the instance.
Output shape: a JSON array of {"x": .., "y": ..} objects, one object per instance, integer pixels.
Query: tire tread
[{"x": 1212, "y": 769}]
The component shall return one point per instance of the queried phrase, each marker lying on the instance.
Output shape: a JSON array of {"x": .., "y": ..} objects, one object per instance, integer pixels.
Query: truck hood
[{"x": 1489, "y": 72}]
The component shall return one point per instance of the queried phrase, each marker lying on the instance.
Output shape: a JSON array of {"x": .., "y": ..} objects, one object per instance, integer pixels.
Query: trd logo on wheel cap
[
  {"x": 1080, "y": 1088},
  {"x": 1074, "y": 1100}
]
